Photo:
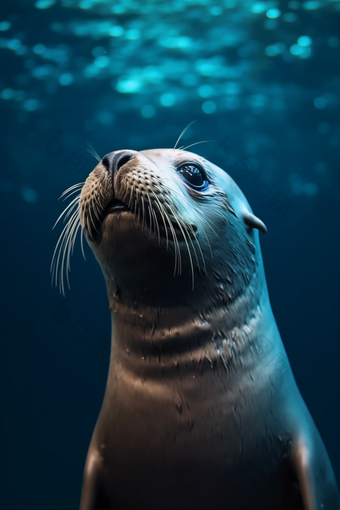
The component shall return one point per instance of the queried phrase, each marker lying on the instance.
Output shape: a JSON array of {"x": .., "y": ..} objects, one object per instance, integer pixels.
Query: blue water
[{"x": 262, "y": 81}]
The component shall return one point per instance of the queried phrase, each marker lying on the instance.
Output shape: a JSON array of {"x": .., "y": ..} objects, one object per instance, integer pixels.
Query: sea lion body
[{"x": 201, "y": 408}]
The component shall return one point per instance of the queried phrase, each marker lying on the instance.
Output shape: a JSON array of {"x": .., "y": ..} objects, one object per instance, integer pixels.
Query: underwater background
[{"x": 262, "y": 81}]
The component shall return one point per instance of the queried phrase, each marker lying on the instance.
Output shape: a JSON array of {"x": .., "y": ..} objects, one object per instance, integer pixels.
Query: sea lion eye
[{"x": 194, "y": 176}]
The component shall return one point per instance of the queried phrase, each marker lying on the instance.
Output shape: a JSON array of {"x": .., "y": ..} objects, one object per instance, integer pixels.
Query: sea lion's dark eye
[{"x": 194, "y": 176}]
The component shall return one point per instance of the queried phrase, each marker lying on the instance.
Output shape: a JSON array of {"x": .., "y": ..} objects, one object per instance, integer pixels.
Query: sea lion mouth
[
  {"x": 97, "y": 218},
  {"x": 160, "y": 229},
  {"x": 115, "y": 206}
]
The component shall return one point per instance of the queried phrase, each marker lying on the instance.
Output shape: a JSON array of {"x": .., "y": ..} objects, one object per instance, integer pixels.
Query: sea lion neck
[{"x": 173, "y": 330}]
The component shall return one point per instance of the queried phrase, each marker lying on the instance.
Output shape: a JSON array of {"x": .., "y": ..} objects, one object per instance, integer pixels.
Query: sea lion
[{"x": 201, "y": 408}]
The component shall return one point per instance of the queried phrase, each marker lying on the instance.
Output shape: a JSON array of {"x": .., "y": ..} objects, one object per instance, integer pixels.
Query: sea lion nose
[{"x": 115, "y": 160}]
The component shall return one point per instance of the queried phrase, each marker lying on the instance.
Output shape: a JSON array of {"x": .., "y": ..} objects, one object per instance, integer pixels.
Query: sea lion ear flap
[{"x": 252, "y": 221}]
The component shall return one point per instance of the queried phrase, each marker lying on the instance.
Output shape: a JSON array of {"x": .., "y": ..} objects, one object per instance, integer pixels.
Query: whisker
[
  {"x": 65, "y": 256},
  {"x": 71, "y": 188},
  {"x": 184, "y": 130},
  {"x": 131, "y": 196},
  {"x": 184, "y": 148},
  {"x": 191, "y": 231},
  {"x": 157, "y": 225},
  {"x": 178, "y": 256},
  {"x": 82, "y": 242},
  {"x": 159, "y": 205},
  {"x": 93, "y": 152},
  {"x": 188, "y": 231},
  {"x": 72, "y": 237},
  {"x": 188, "y": 248},
  {"x": 97, "y": 208},
  {"x": 71, "y": 193},
  {"x": 150, "y": 219},
  {"x": 60, "y": 264},
  {"x": 60, "y": 247},
  {"x": 143, "y": 212},
  {"x": 71, "y": 211},
  {"x": 66, "y": 210},
  {"x": 137, "y": 197}
]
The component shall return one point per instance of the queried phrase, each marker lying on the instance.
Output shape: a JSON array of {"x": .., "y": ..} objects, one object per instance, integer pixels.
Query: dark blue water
[{"x": 262, "y": 81}]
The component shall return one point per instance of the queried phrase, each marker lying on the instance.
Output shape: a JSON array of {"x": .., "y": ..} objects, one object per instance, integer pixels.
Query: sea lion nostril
[{"x": 114, "y": 161}]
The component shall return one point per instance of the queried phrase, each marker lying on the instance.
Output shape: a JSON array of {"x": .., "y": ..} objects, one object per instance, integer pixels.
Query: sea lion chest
[{"x": 196, "y": 437}]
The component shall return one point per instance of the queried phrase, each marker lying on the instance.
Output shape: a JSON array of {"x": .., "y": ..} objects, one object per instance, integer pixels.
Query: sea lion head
[{"x": 167, "y": 225}]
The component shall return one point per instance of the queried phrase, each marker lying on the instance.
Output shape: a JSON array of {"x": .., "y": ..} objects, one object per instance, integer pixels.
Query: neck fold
[{"x": 147, "y": 340}]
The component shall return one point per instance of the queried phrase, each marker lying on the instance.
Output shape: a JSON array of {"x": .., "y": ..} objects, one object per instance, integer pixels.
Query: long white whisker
[
  {"x": 71, "y": 188},
  {"x": 95, "y": 210},
  {"x": 157, "y": 225},
  {"x": 68, "y": 246},
  {"x": 150, "y": 219},
  {"x": 184, "y": 148},
  {"x": 159, "y": 205},
  {"x": 143, "y": 212},
  {"x": 82, "y": 242},
  {"x": 71, "y": 193},
  {"x": 62, "y": 241},
  {"x": 188, "y": 248},
  {"x": 190, "y": 232},
  {"x": 137, "y": 200},
  {"x": 178, "y": 257},
  {"x": 64, "y": 258},
  {"x": 93, "y": 152},
  {"x": 66, "y": 241},
  {"x": 65, "y": 211},
  {"x": 131, "y": 196},
  {"x": 184, "y": 130},
  {"x": 185, "y": 227}
]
